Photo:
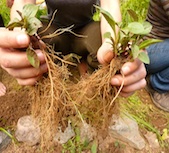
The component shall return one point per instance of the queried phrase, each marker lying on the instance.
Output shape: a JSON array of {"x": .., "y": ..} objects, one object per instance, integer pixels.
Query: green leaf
[
  {"x": 33, "y": 25},
  {"x": 29, "y": 10},
  {"x": 108, "y": 17},
  {"x": 15, "y": 23},
  {"x": 135, "y": 51},
  {"x": 32, "y": 57},
  {"x": 107, "y": 35},
  {"x": 94, "y": 147},
  {"x": 147, "y": 28},
  {"x": 133, "y": 14},
  {"x": 143, "y": 56},
  {"x": 148, "y": 42},
  {"x": 136, "y": 28}
]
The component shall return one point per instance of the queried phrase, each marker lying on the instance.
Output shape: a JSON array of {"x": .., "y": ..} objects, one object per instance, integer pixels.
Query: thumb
[{"x": 105, "y": 53}]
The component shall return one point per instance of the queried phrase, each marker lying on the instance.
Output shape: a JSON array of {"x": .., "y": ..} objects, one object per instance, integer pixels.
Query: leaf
[
  {"x": 32, "y": 57},
  {"x": 29, "y": 10},
  {"x": 33, "y": 25},
  {"x": 108, "y": 17},
  {"x": 20, "y": 14},
  {"x": 94, "y": 147},
  {"x": 147, "y": 28},
  {"x": 135, "y": 28},
  {"x": 107, "y": 35},
  {"x": 133, "y": 14},
  {"x": 165, "y": 134},
  {"x": 14, "y": 23},
  {"x": 135, "y": 51},
  {"x": 148, "y": 42},
  {"x": 143, "y": 56}
]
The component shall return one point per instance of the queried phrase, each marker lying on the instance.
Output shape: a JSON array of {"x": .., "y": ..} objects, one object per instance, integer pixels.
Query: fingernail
[
  {"x": 115, "y": 81},
  {"x": 22, "y": 39},
  {"x": 39, "y": 53}
]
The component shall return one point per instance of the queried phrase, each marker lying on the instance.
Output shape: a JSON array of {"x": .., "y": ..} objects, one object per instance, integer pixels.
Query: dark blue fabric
[
  {"x": 159, "y": 66},
  {"x": 71, "y": 12}
]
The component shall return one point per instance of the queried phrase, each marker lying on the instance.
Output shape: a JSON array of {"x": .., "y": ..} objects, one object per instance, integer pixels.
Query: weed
[
  {"x": 75, "y": 145},
  {"x": 143, "y": 113}
]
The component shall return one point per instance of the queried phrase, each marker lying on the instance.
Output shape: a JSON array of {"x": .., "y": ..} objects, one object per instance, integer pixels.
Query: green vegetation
[
  {"x": 4, "y": 11},
  {"x": 144, "y": 114},
  {"x": 75, "y": 145},
  {"x": 138, "y": 6}
]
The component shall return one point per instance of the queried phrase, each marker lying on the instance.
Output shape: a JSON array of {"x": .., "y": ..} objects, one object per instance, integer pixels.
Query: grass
[
  {"x": 139, "y": 6},
  {"x": 4, "y": 11},
  {"x": 143, "y": 113}
]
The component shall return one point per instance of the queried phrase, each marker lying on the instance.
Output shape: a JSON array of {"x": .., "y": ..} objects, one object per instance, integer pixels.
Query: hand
[
  {"x": 134, "y": 72},
  {"x": 15, "y": 62}
]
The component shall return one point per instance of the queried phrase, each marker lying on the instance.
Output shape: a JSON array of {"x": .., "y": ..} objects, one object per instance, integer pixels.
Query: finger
[
  {"x": 29, "y": 72},
  {"x": 17, "y": 59},
  {"x": 105, "y": 53},
  {"x": 13, "y": 39},
  {"x": 137, "y": 75},
  {"x": 133, "y": 87},
  {"x": 130, "y": 67},
  {"x": 28, "y": 81},
  {"x": 124, "y": 94}
]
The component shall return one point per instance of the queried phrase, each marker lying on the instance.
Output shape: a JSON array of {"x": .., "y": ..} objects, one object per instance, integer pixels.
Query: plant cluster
[{"x": 129, "y": 40}]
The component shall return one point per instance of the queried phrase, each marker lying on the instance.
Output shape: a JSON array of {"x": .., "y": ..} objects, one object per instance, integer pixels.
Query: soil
[{"x": 16, "y": 103}]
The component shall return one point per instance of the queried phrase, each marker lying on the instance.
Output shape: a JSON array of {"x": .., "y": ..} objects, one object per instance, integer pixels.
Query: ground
[{"x": 16, "y": 103}]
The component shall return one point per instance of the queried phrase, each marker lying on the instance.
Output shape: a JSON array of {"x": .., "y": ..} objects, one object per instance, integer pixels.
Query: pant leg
[
  {"x": 159, "y": 66},
  {"x": 88, "y": 45},
  {"x": 61, "y": 43}
]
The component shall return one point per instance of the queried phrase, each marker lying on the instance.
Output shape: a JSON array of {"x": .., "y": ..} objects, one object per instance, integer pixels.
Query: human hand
[
  {"x": 134, "y": 72},
  {"x": 15, "y": 62},
  {"x": 134, "y": 77}
]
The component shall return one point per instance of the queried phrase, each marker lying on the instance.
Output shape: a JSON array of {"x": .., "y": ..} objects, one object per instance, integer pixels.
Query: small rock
[
  {"x": 63, "y": 137},
  {"x": 4, "y": 141},
  {"x": 27, "y": 131},
  {"x": 126, "y": 130},
  {"x": 87, "y": 132},
  {"x": 152, "y": 140}
]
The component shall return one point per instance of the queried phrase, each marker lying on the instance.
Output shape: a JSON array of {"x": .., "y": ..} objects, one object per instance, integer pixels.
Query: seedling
[
  {"x": 30, "y": 24},
  {"x": 129, "y": 41}
]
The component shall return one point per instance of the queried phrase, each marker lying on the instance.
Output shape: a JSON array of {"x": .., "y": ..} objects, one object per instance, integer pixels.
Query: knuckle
[{"x": 6, "y": 63}]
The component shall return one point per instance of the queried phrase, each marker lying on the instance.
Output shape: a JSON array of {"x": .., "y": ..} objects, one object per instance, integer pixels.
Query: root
[
  {"x": 50, "y": 99},
  {"x": 96, "y": 96},
  {"x": 55, "y": 97}
]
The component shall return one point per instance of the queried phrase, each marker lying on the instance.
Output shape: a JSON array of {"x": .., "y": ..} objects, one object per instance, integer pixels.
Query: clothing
[
  {"x": 71, "y": 12},
  {"x": 86, "y": 46},
  {"x": 159, "y": 66},
  {"x": 158, "y": 16},
  {"x": 1, "y": 22},
  {"x": 78, "y": 13},
  {"x": 158, "y": 69}
]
